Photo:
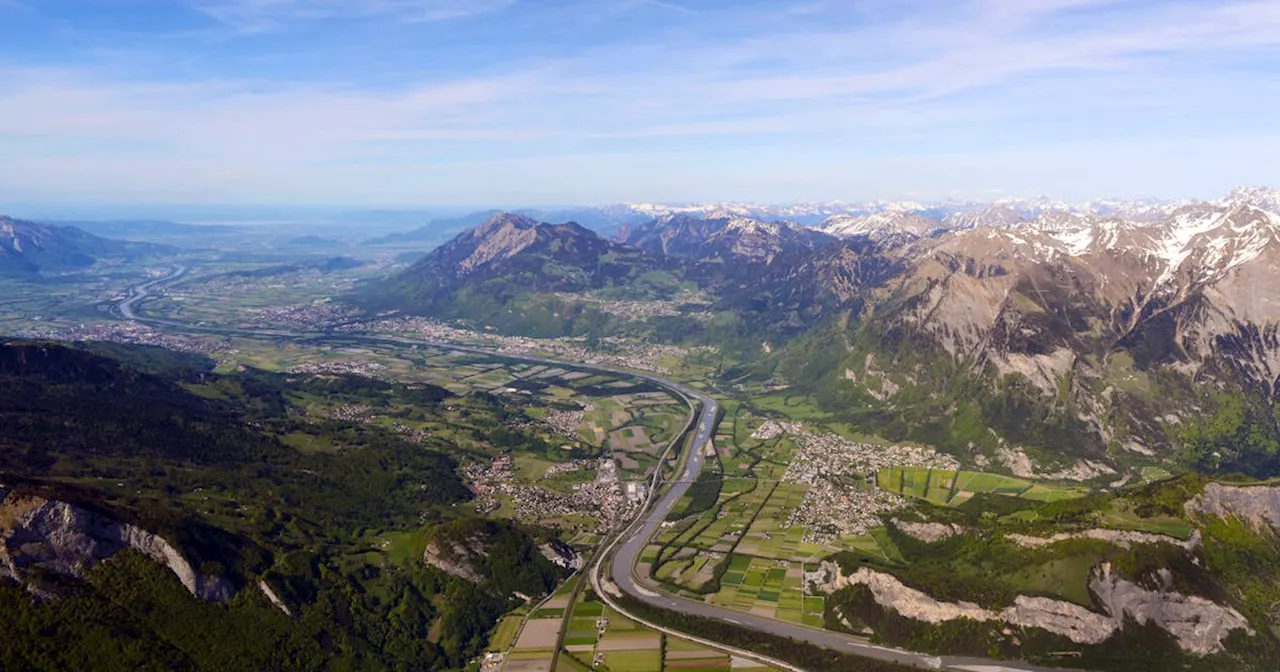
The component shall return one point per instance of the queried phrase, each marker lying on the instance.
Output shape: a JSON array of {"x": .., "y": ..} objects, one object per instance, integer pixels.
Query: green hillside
[{"x": 209, "y": 462}]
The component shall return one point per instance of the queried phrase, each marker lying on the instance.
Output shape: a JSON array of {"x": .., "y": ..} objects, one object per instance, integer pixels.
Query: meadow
[{"x": 953, "y": 488}]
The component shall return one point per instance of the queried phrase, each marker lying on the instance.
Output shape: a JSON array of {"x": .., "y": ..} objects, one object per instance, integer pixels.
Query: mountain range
[
  {"x": 608, "y": 219},
  {"x": 28, "y": 248},
  {"x": 147, "y": 229},
  {"x": 1124, "y": 334},
  {"x": 509, "y": 272},
  {"x": 721, "y": 236}
]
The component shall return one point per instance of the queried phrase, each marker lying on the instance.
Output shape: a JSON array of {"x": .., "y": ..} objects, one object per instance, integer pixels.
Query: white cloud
[
  {"x": 890, "y": 91},
  {"x": 665, "y": 4},
  {"x": 257, "y": 15}
]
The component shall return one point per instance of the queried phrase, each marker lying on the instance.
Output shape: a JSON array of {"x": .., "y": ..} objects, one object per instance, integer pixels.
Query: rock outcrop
[
  {"x": 1018, "y": 462},
  {"x": 930, "y": 533},
  {"x": 1200, "y": 625},
  {"x": 455, "y": 559},
  {"x": 1120, "y": 538},
  {"x": 275, "y": 599},
  {"x": 59, "y": 537},
  {"x": 561, "y": 554},
  {"x": 1258, "y": 504},
  {"x": 1064, "y": 618}
]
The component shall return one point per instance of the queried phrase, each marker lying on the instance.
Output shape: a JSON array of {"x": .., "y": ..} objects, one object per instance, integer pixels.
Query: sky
[{"x": 421, "y": 103}]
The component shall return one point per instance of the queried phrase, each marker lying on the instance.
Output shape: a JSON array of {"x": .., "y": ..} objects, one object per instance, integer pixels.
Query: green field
[
  {"x": 770, "y": 588},
  {"x": 505, "y": 634},
  {"x": 634, "y": 661},
  {"x": 944, "y": 487}
]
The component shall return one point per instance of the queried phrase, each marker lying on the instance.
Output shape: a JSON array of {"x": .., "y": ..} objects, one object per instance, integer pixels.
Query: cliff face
[
  {"x": 458, "y": 558},
  {"x": 58, "y": 537},
  {"x": 1200, "y": 625},
  {"x": 1258, "y": 504}
]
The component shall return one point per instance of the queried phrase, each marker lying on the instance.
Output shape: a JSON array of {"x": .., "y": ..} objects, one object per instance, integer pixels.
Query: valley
[
  {"x": 639, "y": 336},
  {"x": 736, "y": 440}
]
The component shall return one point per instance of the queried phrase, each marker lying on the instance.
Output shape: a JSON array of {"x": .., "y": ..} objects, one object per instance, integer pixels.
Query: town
[
  {"x": 608, "y": 351},
  {"x": 606, "y": 499},
  {"x": 842, "y": 498}
]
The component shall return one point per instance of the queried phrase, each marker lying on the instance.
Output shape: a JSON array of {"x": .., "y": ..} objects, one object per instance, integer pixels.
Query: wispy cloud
[
  {"x": 878, "y": 84},
  {"x": 665, "y": 4},
  {"x": 257, "y": 15}
]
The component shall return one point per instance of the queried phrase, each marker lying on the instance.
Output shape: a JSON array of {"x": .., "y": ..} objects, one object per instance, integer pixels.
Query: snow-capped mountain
[
  {"x": 1263, "y": 198},
  {"x": 799, "y": 213},
  {"x": 1212, "y": 237},
  {"x": 949, "y": 214},
  {"x": 883, "y": 225},
  {"x": 1001, "y": 215},
  {"x": 721, "y": 233},
  {"x": 1064, "y": 327}
]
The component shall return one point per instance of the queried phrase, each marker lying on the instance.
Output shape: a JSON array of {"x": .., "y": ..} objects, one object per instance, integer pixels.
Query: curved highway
[
  {"x": 632, "y": 540},
  {"x": 141, "y": 292}
]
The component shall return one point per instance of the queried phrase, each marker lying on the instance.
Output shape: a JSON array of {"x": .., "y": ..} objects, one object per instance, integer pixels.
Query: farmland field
[
  {"x": 770, "y": 588},
  {"x": 944, "y": 487},
  {"x": 599, "y": 634}
]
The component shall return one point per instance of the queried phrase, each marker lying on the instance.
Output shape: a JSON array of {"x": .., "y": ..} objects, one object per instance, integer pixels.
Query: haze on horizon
[{"x": 467, "y": 102}]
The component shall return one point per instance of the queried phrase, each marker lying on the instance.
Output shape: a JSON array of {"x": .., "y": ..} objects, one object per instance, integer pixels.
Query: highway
[
  {"x": 142, "y": 291},
  {"x": 632, "y": 540}
]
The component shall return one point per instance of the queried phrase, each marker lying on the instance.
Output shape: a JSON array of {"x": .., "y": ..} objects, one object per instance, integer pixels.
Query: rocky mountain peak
[
  {"x": 1263, "y": 198},
  {"x": 1001, "y": 244},
  {"x": 1203, "y": 241},
  {"x": 720, "y": 234},
  {"x": 503, "y": 236},
  {"x": 505, "y": 220},
  {"x": 14, "y": 231},
  {"x": 882, "y": 225},
  {"x": 752, "y": 225},
  {"x": 1001, "y": 216},
  {"x": 29, "y": 248}
]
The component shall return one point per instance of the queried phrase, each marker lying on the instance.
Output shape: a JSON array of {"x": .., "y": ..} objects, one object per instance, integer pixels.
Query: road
[
  {"x": 635, "y": 537},
  {"x": 142, "y": 291}
]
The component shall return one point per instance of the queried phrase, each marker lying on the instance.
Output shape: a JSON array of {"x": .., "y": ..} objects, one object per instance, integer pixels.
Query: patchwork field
[
  {"x": 600, "y": 637},
  {"x": 748, "y": 517},
  {"x": 769, "y": 588},
  {"x": 952, "y": 488},
  {"x": 770, "y": 537}
]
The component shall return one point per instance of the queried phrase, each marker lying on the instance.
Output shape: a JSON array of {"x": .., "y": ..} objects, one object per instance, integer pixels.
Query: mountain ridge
[
  {"x": 29, "y": 248},
  {"x": 1119, "y": 339}
]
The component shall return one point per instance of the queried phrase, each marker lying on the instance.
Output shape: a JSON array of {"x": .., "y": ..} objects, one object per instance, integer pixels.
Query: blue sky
[{"x": 479, "y": 102}]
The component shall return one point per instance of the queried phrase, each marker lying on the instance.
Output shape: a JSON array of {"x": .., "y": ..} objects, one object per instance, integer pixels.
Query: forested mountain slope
[{"x": 106, "y": 462}]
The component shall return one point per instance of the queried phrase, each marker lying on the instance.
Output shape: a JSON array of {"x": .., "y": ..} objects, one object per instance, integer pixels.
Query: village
[
  {"x": 606, "y": 499},
  {"x": 608, "y": 351},
  {"x": 131, "y": 333},
  {"x": 842, "y": 498}
]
